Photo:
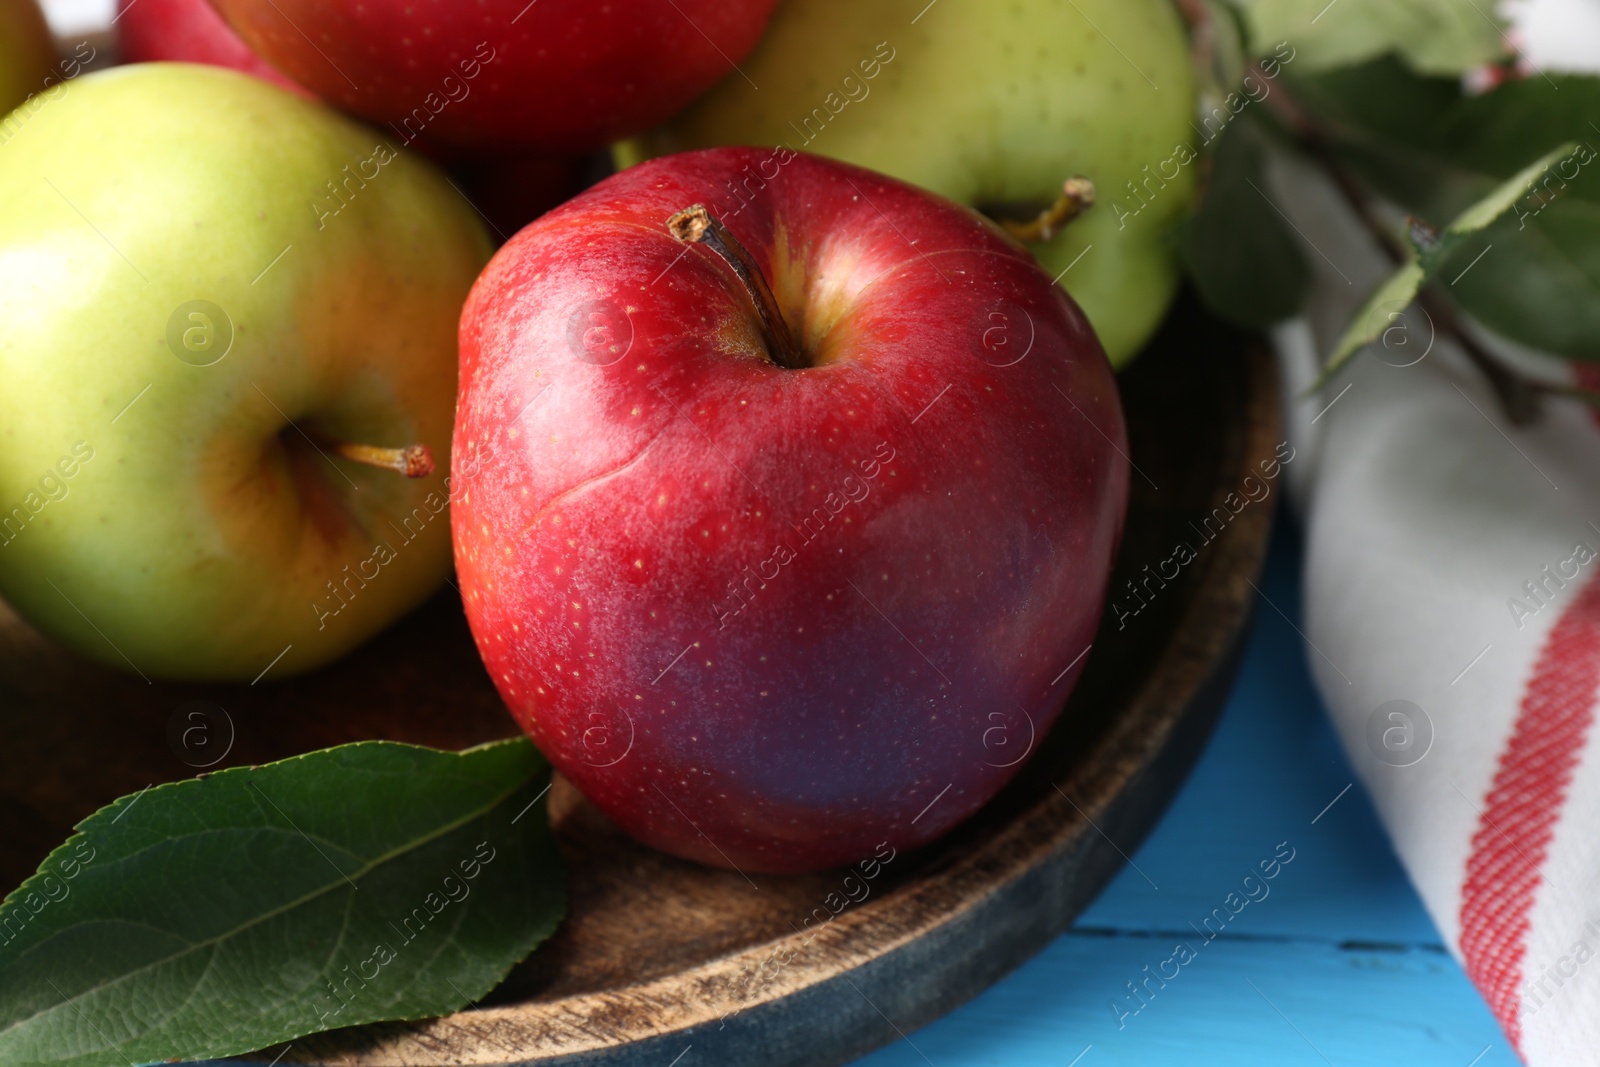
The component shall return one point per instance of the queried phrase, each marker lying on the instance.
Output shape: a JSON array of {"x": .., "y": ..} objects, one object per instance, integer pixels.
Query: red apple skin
[
  {"x": 188, "y": 31},
  {"x": 505, "y": 76},
  {"x": 920, "y": 527}
]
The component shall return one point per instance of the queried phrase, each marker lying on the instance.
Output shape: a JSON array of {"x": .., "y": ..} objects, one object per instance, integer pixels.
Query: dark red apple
[
  {"x": 505, "y": 76},
  {"x": 187, "y": 31},
  {"x": 781, "y": 594}
]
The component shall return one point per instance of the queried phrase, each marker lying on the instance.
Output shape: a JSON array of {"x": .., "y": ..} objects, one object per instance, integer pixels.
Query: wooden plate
[{"x": 659, "y": 956}]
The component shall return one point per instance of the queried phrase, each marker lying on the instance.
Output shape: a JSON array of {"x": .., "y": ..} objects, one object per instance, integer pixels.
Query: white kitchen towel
[
  {"x": 1452, "y": 619},
  {"x": 1452, "y": 614}
]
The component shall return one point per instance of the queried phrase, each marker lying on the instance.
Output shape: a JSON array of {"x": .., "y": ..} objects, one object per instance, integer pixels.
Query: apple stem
[
  {"x": 1077, "y": 194},
  {"x": 413, "y": 461},
  {"x": 696, "y": 225}
]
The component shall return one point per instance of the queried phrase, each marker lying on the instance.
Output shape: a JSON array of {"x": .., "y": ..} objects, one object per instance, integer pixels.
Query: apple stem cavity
[
  {"x": 695, "y": 225},
  {"x": 1077, "y": 195},
  {"x": 413, "y": 461}
]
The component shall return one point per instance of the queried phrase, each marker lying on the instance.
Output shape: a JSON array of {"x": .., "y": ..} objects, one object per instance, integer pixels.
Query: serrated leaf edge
[
  {"x": 367, "y": 868},
  {"x": 1425, "y": 263}
]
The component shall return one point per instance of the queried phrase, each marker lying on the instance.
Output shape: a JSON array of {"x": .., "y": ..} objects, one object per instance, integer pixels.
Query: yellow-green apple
[
  {"x": 995, "y": 105},
  {"x": 27, "y": 55},
  {"x": 214, "y": 293},
  {"x": 781, "y": 525}
]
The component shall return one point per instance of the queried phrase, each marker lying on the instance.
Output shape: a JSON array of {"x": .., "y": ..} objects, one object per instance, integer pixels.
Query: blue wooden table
[{"x": 1331, "y": 962}]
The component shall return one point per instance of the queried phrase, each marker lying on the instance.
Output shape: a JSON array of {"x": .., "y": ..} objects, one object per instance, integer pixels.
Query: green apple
[
  {"x": 27, "y": 55},
  {"x": 213, "y": 291},
  {"x": 994, "y": 105}
]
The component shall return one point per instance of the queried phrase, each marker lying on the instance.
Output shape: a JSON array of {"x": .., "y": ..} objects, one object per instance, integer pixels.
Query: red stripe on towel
[
  {"x": 1587, "y": 376},
  {"x": 1524, "y": 804}
]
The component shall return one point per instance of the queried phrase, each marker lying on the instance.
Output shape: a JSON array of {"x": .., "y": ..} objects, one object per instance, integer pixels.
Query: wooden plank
[{"x": 1339, "y": 1006}]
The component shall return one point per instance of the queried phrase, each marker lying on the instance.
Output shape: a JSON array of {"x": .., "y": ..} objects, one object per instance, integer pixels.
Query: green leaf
[
  {"x": 1436, "y": 150},
  {"x": 1434, "y": 36},
  {"x": 1497, "y": 132},
  {"x": 1524, "y": 191},
  {"x": 1537, "y": 281},
  {"x": 1377, "y": 315},
  {"x": 220, "y": 915},
  {"x": 1244, "y": 260},
  {"x": 1534, "y": 275}
]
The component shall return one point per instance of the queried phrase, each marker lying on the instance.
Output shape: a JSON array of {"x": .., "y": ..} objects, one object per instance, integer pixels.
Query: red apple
[
  {"x": 187, "y": 31},
  {"x": 778, "y": 595},
  {"x": 505, "y": 76}
]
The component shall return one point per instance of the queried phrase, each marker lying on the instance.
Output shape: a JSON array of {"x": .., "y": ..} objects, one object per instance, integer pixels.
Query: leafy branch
[
  {"x": 1354, "y": 103},
  {"x": 1419, "y": 259}
]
